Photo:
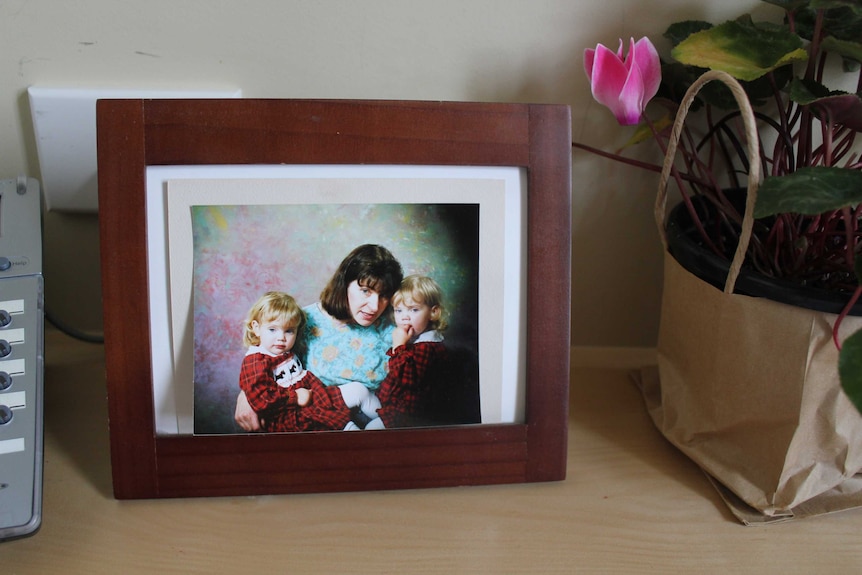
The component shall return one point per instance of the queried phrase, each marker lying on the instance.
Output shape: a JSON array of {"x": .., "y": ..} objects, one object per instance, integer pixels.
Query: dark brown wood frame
[{"x": 134, "y": 134}]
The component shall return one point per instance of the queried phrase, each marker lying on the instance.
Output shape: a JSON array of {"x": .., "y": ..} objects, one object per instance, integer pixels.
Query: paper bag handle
[{"x": 753, "y": 170}]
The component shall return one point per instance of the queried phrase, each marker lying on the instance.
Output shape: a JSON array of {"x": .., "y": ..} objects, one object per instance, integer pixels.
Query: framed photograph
[{"x": 315, "y": 296}]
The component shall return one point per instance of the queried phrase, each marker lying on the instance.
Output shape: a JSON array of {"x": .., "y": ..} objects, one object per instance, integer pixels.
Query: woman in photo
[{"x": 349, "y": 330}]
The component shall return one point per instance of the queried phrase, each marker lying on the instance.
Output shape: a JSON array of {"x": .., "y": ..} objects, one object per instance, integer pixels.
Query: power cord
[{"x": 59, "y": 324}]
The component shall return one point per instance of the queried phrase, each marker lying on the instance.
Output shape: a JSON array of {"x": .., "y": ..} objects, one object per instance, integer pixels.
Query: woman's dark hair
[{"x": 369, "y": 265}]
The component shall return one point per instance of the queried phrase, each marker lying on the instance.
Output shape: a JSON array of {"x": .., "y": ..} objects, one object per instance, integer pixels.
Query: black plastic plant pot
[{"x": 703, "y": 263}]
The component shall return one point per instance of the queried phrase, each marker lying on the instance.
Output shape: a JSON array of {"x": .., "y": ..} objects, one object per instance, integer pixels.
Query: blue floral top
[{"x": 340, "y": 352}]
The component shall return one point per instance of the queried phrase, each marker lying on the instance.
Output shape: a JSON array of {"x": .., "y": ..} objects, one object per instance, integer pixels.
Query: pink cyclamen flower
[{"x": 624, "y": 86}]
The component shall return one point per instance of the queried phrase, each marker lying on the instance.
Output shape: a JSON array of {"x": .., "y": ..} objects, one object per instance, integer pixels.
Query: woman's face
[{"x": 366, "y": 305}]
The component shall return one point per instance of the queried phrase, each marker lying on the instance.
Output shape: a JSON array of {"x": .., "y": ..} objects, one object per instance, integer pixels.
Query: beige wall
[{"x": 486, "y": 50}]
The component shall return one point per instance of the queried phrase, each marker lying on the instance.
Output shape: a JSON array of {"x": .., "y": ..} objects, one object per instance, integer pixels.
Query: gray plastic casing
[{"x": 21, "y": 357}]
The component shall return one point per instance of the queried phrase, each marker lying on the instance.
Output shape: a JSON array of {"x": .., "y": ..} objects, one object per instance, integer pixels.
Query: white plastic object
[{"x": 64, "y": 122}]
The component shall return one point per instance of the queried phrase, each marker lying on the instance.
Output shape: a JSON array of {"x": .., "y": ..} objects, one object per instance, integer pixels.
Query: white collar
[{"x": 432, "y": 335}]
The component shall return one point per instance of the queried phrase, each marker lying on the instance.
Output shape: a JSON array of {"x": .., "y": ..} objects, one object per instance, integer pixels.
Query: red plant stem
[
  {"x": 630, "y": 161},
  {"x": 781, "y": 145},
  {"x": 844, "y": 146},
  {"x": 618, "y": 158},
  {"x": 803, "y": 156},
  {"x": 849, "y": 228},
  {"x": 691, "y": 159},
  {"x": 828, "y": 128},
  {"x": 815, "y": 44},
  {"x": 791, "y": 20},
  {"x": 844, "y": 313}
]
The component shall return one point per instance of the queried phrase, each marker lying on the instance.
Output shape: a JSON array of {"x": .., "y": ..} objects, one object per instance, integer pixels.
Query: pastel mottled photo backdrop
[{"x": 244, "y": 250}]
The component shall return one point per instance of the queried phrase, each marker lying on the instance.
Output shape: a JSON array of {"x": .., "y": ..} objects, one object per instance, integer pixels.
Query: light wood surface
[{"x": 630, "y": 504}]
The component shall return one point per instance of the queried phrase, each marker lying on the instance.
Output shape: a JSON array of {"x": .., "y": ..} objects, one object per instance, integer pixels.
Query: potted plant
[{"x": 801, "y": 230}]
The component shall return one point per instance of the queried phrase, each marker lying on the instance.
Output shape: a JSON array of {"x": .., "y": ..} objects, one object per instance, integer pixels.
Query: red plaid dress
[
  {"x": 406, "y": 392},
  {"x": 277, "y": 406}
]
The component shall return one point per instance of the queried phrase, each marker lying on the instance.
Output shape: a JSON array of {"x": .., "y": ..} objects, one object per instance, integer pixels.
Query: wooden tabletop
[{"x": 631, "y": 503}]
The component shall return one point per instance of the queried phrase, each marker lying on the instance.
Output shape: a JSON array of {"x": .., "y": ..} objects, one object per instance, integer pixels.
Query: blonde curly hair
[
  {"x": 273, "y": 305},
  {"x": 424, "y": 290}
]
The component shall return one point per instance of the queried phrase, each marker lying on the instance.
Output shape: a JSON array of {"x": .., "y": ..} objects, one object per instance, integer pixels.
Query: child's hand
[
  {"x": 303, "y": 396},
  {"x": 401, "y": 335}
]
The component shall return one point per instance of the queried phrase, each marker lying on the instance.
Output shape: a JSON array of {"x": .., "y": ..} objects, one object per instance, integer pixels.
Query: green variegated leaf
[
  {"x": 836, "y": 106},
  {"x": 844, "y": 48},
  {"x": 807, "y": 91},
  {"x": 841, "y": 19},
  {"x": 679, "y": 31},
  {"x": 850, "y": 52},
  {"x": 850, "y": 368},
  {"x": 676, "y": 78},
  {"x": 852, "y": 6},
  {"x": 741, "y": 49},
  {"x": 809, "y": 191},
  {"x": 789, "y": 5}
]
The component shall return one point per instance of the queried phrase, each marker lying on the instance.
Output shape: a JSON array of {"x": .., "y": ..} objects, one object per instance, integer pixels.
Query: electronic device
[{"x": 21, "y": 357}]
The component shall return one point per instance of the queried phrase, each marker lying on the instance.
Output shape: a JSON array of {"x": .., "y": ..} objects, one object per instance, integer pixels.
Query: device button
[
  {"x": 5, "y": 348},
  {"x": 5, "y": 380},
  {"x": 5, "y": 318},
  {"x": 5, "y": 264},
  {"x": 5, "y": 414}
]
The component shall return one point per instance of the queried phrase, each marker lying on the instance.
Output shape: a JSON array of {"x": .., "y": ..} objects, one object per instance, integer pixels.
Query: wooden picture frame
[{"x": 135, "y": 134}]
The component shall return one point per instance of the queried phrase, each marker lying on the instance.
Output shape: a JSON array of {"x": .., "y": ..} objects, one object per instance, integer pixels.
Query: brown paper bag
[{"x": 747, "y": 387}]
